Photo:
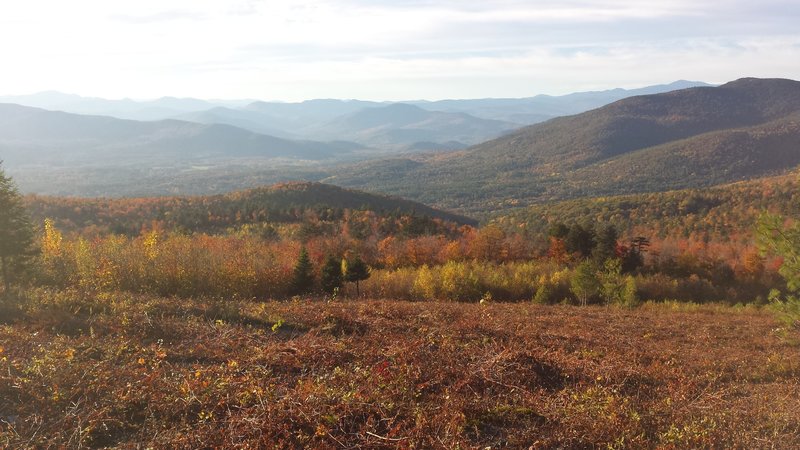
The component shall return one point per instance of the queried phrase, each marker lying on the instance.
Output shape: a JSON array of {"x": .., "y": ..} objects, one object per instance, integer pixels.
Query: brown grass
[{"x": 119, "y": 370}]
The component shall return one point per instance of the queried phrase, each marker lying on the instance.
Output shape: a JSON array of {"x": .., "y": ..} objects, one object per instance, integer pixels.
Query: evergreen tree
[
  {"x": 331, "y": 275},
  {"x": 580, "y": 240},
  {"x": 606, "y": 247},
  {"x": 355, "y": 271},
  {"x": 303, "y": 278},
  {"x": 633, "y": 257},
  {"x": 558, "y": 230},
  {"x": 16, "y": 233},
  {"x": 777, "y": 238}
]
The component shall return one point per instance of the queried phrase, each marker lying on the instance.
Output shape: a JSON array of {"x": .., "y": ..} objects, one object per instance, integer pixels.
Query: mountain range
[
  {"x": 437, "y": 125},
  {"x": 158, "y": 109},
  {"x": 687, "y": 138},
  {"x": 33, "y": 136},
  {"x": 531, "y": 110}
]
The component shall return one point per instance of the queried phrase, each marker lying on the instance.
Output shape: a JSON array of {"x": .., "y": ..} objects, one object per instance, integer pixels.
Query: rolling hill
[
  {"x": 390, "y": 127},
  {"x": 531, "y": 110},
  {"x": 284, "y": 202},
  {"x": 32, "y": 136},
  {"x": 522, "y": 111},
  {"x": 401, "y": 125},
  {"x": 687, "y": 138},
  {"x": 723, "y": 212},
  {"x": 158, "y": 109},
  {"x": 247, "y": 120},
  {"x": 449, "y": 124}
]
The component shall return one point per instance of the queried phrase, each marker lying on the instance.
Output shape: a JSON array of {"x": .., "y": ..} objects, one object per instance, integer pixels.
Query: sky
[{"x": 387, "y": 49}]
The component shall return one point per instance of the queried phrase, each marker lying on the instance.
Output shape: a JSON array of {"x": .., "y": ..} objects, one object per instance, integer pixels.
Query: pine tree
[
  {"x": 331, "y": 275},
  {"x": 16, "y": 233},
  {"x": 303, "y": 278},
  {"x": 775, "y": 237},
  {"x": 606, "y": 247},
  {"x": 356, "y": 271},
  {"x": 580, "y": 240}
]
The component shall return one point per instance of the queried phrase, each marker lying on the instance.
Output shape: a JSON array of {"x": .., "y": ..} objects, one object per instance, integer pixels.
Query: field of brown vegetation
[{"x": 137, "y": 371}]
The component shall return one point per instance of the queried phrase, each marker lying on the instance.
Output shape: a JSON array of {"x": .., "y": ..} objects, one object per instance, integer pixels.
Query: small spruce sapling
[
  {"x": 331, "y": 275},
  {"x": 303, "y": 277},
  {"x": 355, "y": 272}
]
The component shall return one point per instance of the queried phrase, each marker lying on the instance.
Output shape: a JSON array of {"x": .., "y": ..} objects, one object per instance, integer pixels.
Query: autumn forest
[{"x": 626, "y": 277}]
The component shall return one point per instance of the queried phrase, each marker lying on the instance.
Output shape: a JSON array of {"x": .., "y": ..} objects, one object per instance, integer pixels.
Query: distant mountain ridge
[
  {"x": 30, "y": 136},
  {"x": 699, "y": 136},
  {"x": 158, "y": 109},
  {"x": 449, "y": 123},
  {"x": 531, "y": 110},
  {"x": 540, "y": 107},
  {"x": 402, "y": 125}
]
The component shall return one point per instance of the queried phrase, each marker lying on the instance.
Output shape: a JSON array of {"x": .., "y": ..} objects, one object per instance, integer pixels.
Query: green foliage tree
[
  {"x": 16, "y": 233},
  {"x": 630, "y": 296},
  {"x": 544, "y": 294},
  {"x": 580, "y": 240},
  {"x": 633, "y": 256},
  {"x": 303, "y": 277},
  {"x": 615, "y": 287},
  {"x": 606, "y": 244},
  {"x": 584, "y": 282},
  {"x": 331, "y": 275},
  {"x": 558, "y": 230},
  {"x": 355, "y": 271},
  {"x": 784, "y": 241},
  {"x": 612, "y": 284}
]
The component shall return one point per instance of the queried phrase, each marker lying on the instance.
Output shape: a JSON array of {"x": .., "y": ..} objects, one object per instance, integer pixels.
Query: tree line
[{"x": 573, "y": 262}]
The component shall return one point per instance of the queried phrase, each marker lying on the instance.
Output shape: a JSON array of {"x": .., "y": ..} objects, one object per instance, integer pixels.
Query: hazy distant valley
[
  {"x": 460, "y": 155},
  {"x": 62, "y": 144}
]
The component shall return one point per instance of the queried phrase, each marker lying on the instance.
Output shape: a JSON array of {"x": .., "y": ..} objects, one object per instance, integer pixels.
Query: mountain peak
[{"x": 751, "y": 82}]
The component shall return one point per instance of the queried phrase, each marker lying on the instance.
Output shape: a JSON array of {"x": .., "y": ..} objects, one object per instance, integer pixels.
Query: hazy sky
[{"x": 387, "y": 49}]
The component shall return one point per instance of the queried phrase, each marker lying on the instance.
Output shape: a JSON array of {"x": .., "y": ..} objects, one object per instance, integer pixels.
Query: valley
[{"x": 622, "y": 277}]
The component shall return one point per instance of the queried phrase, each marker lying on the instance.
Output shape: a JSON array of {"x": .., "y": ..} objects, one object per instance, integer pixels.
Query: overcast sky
[{"x": 387, "y": 49}]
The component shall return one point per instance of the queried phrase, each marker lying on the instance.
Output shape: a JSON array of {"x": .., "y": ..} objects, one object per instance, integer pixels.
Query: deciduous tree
[{"x": 584, "y": 283}]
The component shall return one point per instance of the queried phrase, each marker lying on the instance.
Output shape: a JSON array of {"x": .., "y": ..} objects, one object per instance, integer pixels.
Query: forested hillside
[
  {"x": 156, "y": 320},
  {"x": 296, "y": 202},
  {"x": 687, "y": 138},
  {"x": 719, "y": 213}
]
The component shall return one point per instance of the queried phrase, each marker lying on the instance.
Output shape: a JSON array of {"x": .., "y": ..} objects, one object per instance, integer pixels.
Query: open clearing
[{"x": 137, "y": 371}]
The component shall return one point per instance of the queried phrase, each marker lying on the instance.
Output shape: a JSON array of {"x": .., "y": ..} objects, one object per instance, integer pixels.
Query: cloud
[
  {"x": 387, "y": 49},
  {"x": 163, "y": 16}
]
